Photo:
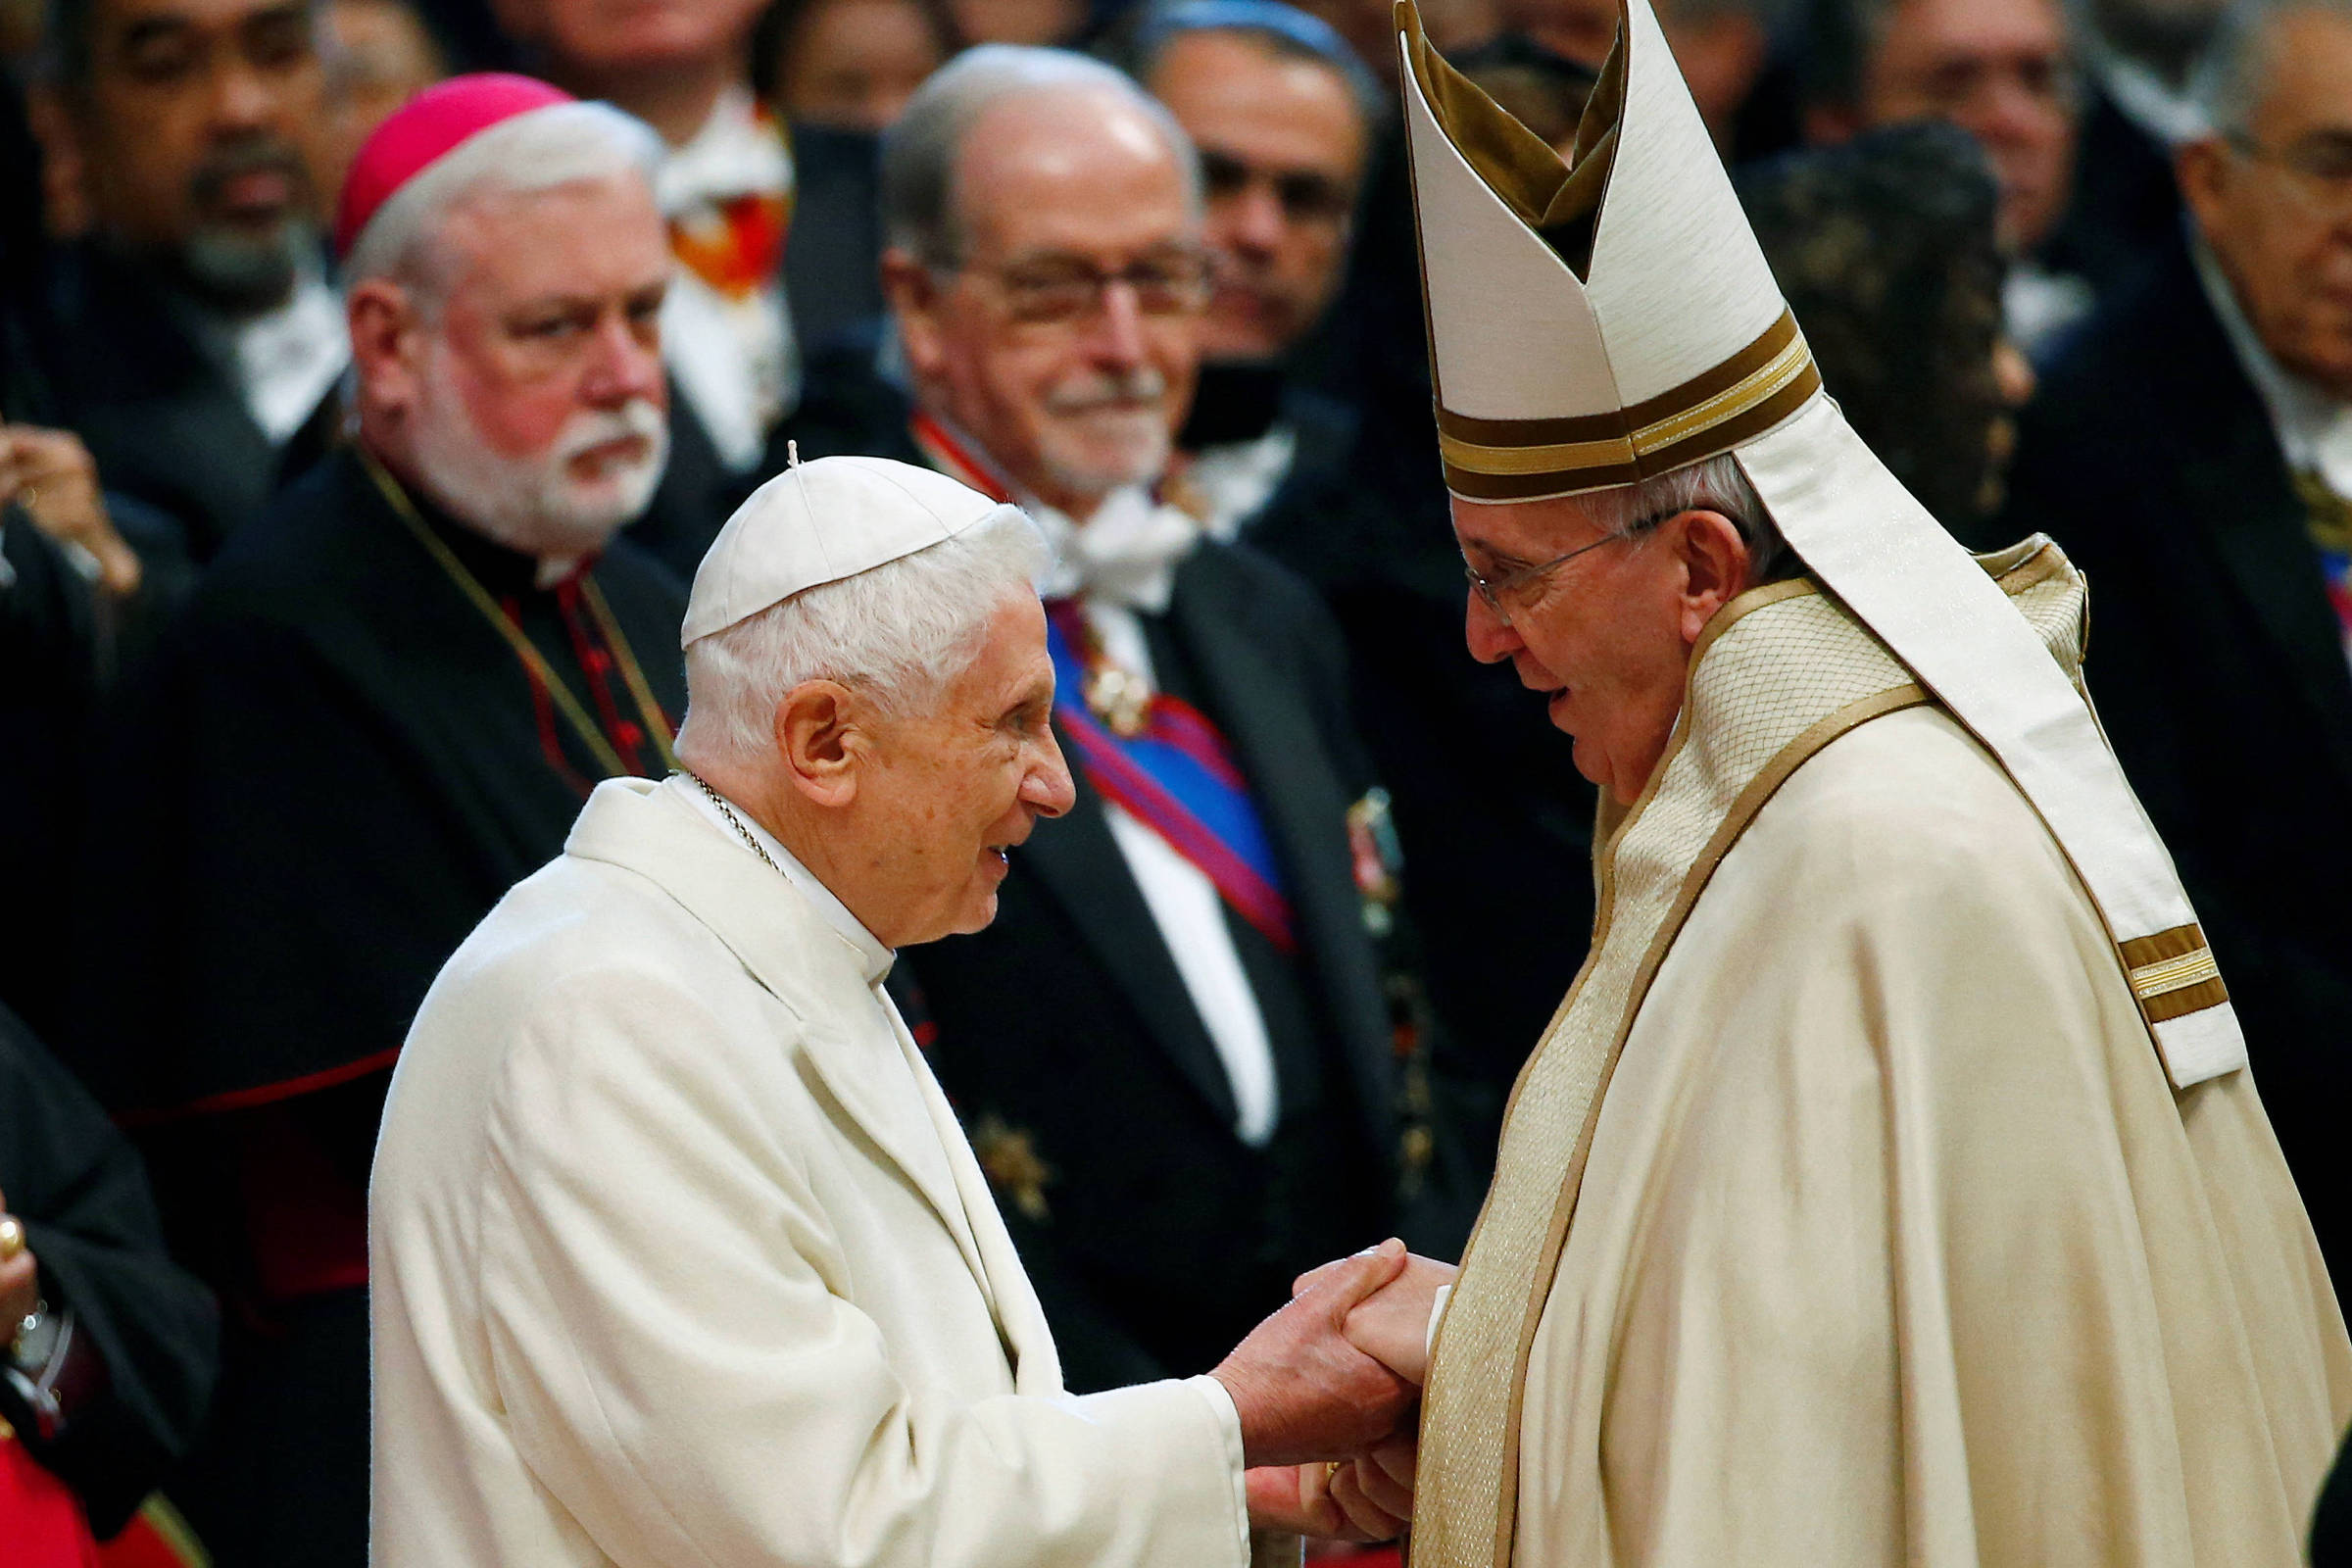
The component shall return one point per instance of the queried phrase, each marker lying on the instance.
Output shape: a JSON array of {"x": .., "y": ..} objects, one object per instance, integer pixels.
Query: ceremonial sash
[{"x": 1177, "y": 777}]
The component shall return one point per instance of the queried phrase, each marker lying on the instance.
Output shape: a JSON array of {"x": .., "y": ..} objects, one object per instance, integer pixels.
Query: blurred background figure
[
  {"x": 108, "y": 1350},
  {"x": 838, "y": 72},
  {"x": 384, "y": 705},
  {"x": 106, "y": 1347},
  {"x": 1204, "y": 1092},
  {"x": 2005, "y": 71},
  {"x": 1724, "y": 48},
  {"x": 1021, "y": 21},
  {"x": 1884, "y": 248},
  {"x": 726, "y": 189},
  {"x": 193, "y": 340},
  {"x": 848, "y": 64},
  {"x": 379, "y": 55},
  {"x": 2137, "y": 107},
  {"x": 2192, "y": 451},
  {"x": 1280, "y": 113}
]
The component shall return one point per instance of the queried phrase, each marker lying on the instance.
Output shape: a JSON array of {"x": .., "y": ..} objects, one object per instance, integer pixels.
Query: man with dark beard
[
  {"x": 385, "y": 702},
  {"x": 193, "y": 341}
]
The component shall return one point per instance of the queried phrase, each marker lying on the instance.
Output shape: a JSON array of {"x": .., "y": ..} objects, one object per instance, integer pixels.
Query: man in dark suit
[
  {"x": 1280, "y": 112},
  {"x": 2193, "y": 454},
  {"x": 193, "y": 341},
  {"x": 1172, "y": 1049}
]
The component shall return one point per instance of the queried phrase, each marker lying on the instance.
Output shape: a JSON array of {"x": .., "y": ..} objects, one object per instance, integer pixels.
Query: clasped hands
[{"x": 1327, "y": 1390}]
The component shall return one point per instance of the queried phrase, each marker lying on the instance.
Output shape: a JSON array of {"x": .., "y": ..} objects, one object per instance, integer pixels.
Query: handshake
[{"x": 1328, "y": 1389}]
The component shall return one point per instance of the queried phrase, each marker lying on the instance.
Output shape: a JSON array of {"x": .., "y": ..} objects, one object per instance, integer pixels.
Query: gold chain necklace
[
  {"x": 734, "y": 821},
  {"x": 601, "y": 748}
]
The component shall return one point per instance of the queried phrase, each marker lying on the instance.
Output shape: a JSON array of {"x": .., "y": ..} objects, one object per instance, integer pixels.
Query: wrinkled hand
[
  {"x": 1392, "y": 1325},
  {"x": 1302, "y": 1391},
  {"x": 53, "y": 478},
  {"x": 1367, "y": 1498},
  {"x": 19, "y": 1285}
]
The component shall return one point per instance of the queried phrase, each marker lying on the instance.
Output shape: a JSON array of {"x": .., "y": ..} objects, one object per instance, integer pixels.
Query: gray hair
[
  {"x": 920, "y": 212},
  {"x": 563, "y": 144},
  {"x": 2234, "y": 70},
  {"x": 900, "y": 634},
  {"x": 1712, "y": 484}
]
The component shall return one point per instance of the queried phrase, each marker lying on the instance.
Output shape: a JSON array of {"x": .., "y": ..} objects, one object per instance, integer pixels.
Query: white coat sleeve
[{"x": 685, "y": 1375}]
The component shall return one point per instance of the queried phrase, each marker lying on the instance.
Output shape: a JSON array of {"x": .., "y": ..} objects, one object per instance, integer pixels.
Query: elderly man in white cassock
[
  {"x": 678, "y": 1252},
  {"x": 1891, "y": 1188}
]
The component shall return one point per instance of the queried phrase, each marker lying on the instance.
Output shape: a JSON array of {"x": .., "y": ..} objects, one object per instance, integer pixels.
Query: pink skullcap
[{"x": 433, "y": 124}]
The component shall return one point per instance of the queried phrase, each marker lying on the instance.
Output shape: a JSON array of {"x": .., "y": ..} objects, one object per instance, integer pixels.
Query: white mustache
[
  {"x": 1143, "y": 384},
  {"x": 636, "y": 419}
]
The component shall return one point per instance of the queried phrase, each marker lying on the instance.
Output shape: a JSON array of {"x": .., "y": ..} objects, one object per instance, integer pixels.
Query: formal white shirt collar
[
  {"x": 2314, "y": 428},
  {"x": 736, "y": 822},
  {"x": 1125, "y": 555}
]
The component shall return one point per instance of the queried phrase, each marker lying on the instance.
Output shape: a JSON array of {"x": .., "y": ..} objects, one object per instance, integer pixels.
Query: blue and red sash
[{"x": 1176, "y": 777}]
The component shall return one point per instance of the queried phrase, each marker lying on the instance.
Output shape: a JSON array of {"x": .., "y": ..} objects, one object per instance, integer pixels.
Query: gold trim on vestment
[
  {"x": 2172, "y": 973},
  {"x": 1765, "y": 701}
]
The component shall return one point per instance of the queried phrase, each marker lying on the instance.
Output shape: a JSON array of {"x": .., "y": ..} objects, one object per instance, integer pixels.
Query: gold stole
[{"x": 1777, "y": 675}]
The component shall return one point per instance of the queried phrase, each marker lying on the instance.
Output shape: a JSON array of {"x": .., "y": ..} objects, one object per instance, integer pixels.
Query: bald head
[{"x": 1038, "y": 114}]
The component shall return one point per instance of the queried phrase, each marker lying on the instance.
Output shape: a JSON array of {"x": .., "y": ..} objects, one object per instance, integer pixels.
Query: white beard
[{"x": 533, "y": 504}]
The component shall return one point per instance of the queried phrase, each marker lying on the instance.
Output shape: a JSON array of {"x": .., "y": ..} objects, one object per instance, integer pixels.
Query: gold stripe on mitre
[{"x": 1744, "y": 396}]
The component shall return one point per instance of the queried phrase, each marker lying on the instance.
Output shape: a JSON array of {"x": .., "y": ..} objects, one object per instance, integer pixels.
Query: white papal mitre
[{"x": 1605, "y": 319}]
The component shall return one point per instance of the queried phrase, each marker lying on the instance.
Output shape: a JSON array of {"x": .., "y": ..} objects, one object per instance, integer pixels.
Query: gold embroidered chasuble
[{"x": 1845, "y": 1213}]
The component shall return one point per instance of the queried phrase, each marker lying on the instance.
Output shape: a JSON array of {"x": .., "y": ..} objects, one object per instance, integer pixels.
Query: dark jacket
[
  {"x": 79, "y": 1188},
  {"x": 2218, "y": 668}
]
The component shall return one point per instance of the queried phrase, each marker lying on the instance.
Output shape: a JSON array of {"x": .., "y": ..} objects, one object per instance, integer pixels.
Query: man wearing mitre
[
  {"x": 678, "y": 1255},
  {"x": 1892, "y": 1186}
]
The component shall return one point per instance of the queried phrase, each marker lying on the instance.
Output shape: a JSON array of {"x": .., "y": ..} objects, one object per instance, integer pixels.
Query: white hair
[
  {"x": 2234, "y": 70},
  {"x": 1712, "y": 484},
  {"x": 923, "y": 148},
  {"x": 563, "y": 144},
  {"x": 900, "y": 634}
]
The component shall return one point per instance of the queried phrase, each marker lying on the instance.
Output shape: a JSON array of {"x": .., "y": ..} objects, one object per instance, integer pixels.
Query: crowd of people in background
[{"x": 344, "y": 544}]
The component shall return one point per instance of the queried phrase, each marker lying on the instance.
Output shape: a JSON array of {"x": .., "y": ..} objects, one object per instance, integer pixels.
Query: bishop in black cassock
[{"x": 342, "y": 756}]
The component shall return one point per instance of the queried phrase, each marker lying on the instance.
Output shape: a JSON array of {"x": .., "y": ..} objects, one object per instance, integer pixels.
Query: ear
[
  {"x": 821, "y": 734},
  {"x": 1716, "y": 566},
  {"x": 2201, "y": 168},
  {"x": 384, "y": 344},
  {"x": 913, "y": 292}
]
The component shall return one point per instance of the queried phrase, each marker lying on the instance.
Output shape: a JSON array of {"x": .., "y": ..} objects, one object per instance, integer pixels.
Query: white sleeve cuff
[
  {"x": 1437, "y": 1311},
  {"x": 1229, "y": 1422}
]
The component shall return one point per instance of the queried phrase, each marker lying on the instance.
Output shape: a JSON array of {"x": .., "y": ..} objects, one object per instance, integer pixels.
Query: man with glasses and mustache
[
  {"x": 1197, "y": 1097},
  {"x": 194, "y": 340},
  {"x": 1279, "y": 109},
  {"x": 2193, "y": 450},
  {"x": 384, "y": 704}
]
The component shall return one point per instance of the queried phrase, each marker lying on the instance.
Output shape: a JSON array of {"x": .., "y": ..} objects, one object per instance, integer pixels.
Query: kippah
[
  {"x": 425, "y": 130},
  {"x": 818, "y": 522}
]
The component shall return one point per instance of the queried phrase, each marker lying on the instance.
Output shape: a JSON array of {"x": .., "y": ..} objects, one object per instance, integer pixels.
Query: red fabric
[
  {"x": 141, "y": 1545},
  {"x": 306, "y": 1219},
  {"x": 434, "y": 122},
  {"x": 41, "y": 1522}
]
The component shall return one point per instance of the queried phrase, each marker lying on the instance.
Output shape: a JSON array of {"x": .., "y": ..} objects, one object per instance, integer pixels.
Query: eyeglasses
[
  {"x": 1055, "y": 290},
  {"x": 1304, "y": 196},
  {"x": 2320, "y": 166},
  {"x": 1492, "y": 589}
]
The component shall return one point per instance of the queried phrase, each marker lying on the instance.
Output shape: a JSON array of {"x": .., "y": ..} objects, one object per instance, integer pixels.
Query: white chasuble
[{"x": 1845, "y": 1214}]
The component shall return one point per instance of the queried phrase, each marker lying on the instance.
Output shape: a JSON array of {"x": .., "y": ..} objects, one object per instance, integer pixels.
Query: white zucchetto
[{"x": 818, "y": 522}]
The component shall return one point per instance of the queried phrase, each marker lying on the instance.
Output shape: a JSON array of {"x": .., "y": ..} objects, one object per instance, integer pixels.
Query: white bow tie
[{"x": 1126, "y": 554}]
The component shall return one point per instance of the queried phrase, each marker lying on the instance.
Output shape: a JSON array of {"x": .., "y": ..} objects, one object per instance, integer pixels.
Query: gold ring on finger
[{"x": 12, "y": 1238}]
